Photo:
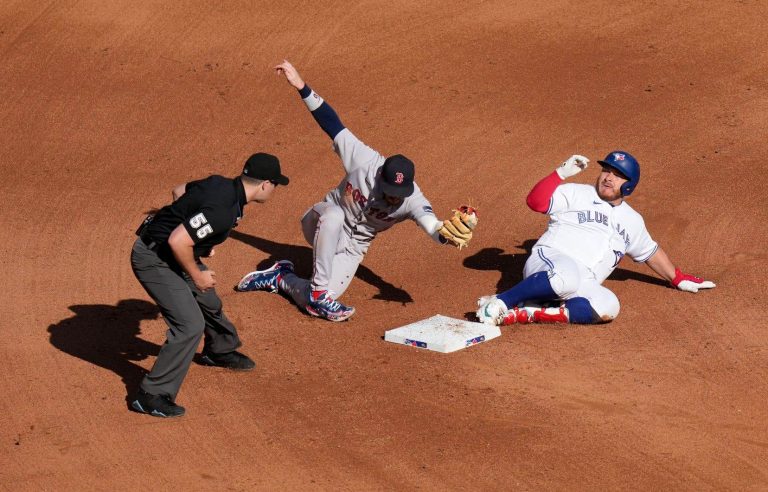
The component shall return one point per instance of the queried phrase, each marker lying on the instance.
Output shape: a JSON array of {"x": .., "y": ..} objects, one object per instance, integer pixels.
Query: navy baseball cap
[
  {"x": 265, "y": 167},
  {"x": 397, "y": 176}
]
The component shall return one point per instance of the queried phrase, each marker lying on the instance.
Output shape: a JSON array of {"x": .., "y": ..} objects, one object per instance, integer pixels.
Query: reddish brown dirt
[{"x": 105, "y": 106}]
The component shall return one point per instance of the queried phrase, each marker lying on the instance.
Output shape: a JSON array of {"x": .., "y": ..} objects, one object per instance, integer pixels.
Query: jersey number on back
[{"x": 201, "y": 225}]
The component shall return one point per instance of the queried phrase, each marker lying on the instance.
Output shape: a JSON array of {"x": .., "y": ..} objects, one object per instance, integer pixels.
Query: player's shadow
[
  {"x": 301, "y": 256},
  {"x": 622, "y": 274},
  {"x": 108, "y": 336},
  {"x": 510, "y": 265}
]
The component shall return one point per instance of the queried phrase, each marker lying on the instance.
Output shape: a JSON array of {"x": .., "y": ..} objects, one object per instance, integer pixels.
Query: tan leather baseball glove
[{"x": 457, "y": 230}]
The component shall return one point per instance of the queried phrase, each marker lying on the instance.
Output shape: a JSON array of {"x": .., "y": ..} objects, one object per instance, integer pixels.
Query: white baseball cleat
[{"x": 490, "y": 310}]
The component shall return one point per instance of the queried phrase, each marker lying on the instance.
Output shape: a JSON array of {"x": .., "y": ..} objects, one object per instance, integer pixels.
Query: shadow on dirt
[
  {"x": 301, "y": 256},
  {"x": 621, "y": 275},
  {"x": 108, "y": 336},
  {"x": 510, "y": 265}
]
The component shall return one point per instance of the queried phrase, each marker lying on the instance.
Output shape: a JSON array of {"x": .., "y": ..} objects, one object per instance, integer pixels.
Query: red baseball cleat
[{"x": 535, "y": 314}]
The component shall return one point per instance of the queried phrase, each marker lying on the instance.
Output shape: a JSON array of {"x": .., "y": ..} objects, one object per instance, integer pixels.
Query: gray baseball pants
[
  {"x": 188, "y": 312},
  {"x": 335, "y": 261}
]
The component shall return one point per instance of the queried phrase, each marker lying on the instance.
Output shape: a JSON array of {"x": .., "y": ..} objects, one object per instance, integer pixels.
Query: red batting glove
[{"x": 690, "y": 283}]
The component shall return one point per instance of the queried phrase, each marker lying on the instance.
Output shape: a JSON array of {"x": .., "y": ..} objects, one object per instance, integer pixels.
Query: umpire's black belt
[{"x": 150, "y": 243}]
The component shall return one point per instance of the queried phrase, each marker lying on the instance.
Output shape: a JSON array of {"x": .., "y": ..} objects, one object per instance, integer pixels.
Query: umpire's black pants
[{"x": 187, "y": 311}]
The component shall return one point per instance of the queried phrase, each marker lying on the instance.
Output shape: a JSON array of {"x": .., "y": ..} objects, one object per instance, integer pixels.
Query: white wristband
[{"x": 313, "y": 101}]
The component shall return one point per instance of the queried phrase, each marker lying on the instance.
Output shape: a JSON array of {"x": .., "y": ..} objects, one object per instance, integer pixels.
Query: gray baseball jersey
[{"x": 366, "y": 212}]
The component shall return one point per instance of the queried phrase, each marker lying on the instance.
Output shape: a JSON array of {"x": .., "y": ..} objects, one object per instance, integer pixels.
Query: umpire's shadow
[
  {"x": 510, "y": 265},
  {"x": 301, "y": 256},
  {"x": 108, "y": 336}
]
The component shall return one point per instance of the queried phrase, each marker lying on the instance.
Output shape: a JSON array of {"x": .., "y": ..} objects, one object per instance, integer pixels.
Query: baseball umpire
[
  {"x": 166, "y": 261},
  {"x": 591, "y": 228},
  {"x": 374, "y": 194}
]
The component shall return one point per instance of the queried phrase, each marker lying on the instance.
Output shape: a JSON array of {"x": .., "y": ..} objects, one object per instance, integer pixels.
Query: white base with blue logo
[{"x": 442, "y": 334}]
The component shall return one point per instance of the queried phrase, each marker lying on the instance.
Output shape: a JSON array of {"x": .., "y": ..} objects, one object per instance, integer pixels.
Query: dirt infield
[{"x": 105, "y": 106}]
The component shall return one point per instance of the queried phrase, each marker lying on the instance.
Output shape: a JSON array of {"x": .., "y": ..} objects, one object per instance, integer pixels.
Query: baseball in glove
[{"x": 457, "y": 231}]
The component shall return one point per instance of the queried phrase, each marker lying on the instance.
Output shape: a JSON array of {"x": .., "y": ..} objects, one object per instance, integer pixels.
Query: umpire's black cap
[
  {"x": 397, "y": 176},
  {"x": 265, "y": 167}
]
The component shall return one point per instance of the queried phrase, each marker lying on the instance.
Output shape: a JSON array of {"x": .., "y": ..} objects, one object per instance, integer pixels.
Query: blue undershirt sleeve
[{"x": 325, "y": 116}]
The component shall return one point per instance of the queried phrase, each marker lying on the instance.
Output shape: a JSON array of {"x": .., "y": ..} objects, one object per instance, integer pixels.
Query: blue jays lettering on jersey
[
  {"x": 594, "y": 232},
  {"x": 209, "y": 209},
  {"x": 592, "y": 216}
]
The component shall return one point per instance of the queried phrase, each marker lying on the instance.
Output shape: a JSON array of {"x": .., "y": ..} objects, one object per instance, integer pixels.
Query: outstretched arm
[
  {"x": 321, "y": 111},
  {"x": 431, "y": 225},
  {"x": 663, "y": 266}
]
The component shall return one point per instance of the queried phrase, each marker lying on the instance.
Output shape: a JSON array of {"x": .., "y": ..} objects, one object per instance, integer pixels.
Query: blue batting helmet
[{"x": 626, "y": 165}]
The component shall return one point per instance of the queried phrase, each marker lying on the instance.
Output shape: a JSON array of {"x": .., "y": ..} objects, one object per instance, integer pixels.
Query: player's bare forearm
[
  {"x": 183, "y": 250},
  {"x": 662, "y": 265},
  {"x": 291, "y": 74},
  {"x": 182, "y": 246}
]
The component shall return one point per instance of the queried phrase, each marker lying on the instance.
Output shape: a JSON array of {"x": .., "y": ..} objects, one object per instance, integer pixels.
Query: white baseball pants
[{"x": 570, "y": 278}]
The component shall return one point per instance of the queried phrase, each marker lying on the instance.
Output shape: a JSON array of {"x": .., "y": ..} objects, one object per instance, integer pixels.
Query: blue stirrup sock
[
  {"x": 536, "y": 287},
  {"x": 580, "y": 311}
]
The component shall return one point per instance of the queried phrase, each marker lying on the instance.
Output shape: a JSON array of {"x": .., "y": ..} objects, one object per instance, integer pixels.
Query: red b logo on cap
[{"x": 399, "y": 178}]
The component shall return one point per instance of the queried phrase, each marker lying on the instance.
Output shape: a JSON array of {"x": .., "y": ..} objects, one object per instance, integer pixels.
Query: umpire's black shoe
[
  {"x": 233, "y": 360},
  {"x": 156, "y": 405}
]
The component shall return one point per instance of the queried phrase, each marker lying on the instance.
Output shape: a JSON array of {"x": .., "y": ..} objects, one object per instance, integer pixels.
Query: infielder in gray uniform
[{"x": 375, "y": 194}]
